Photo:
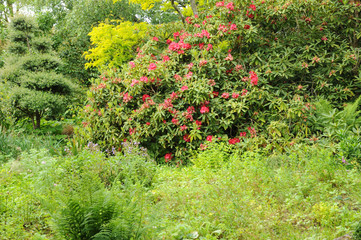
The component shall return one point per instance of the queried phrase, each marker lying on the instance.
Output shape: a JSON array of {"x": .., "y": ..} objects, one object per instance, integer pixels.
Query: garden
[{"x": 192, "y": 119}]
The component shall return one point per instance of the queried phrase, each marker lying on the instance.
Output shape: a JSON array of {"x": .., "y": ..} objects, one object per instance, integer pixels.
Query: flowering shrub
[{"x": 229, "y": 72}]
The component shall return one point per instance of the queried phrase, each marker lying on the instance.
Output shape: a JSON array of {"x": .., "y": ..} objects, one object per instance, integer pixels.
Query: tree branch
[{"x": 178, "y": 10}]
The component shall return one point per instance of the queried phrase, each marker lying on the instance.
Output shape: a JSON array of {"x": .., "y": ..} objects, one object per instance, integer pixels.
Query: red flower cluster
[
  {"x": 145, "y": 97},
  {"x": 152, "y": 66},
  {"x": 254, "y": 78},
  {"x": 186, "y": 138},
  {"x": 168, "y": 157},
  {"x": 204, "y": 109},
  {"x": 127, "y": 98},
  {"x": 233, "y": 140}
]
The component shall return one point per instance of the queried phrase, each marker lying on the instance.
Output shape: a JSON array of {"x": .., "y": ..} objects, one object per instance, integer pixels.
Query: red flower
[
  {"x": 215, "y": 94},
  {"x": 220, "y": 4},
  {"x": 169, "y": 41},
  {"x": 184, "y": 88},
  {"x": 155, "y": 39},
  {"x": 233, "y": 140},
  {"x": 186, "y": 138},
  {"x": 177, "y": 77},
  {"x": 252, "y": 131},
  {"x": 211, "y": 82},
  {"x": 209, "y": 47},
  {"x": 233, "y": 27},
  {"x": 134, "y": 81},
  {"x": 209, "y": 138},
  {"x": 253, "y": 7},
  {"x": 206, "y": 34},
  {"x": 247, "y": 26},
  {"x": 132, "y": 64},
  {"x": 174, "y": 46},
  {"x": 168, "y": 157},
  {"x": 202, "y": 62},
  {"x": 225, "y": 95},
  {"x": 191, "y": 109},
  {"x": 244, "y": 92},
  {"x": 230, "y": 6},
  {"x": 242, "y": 134},
  {"x": 199, "y": 123},
  {"x": 229, "y": 57},
  {"x": 176, "y": 34},
  {"x": 173, "y": 96},
  {"x": 324, "y": 38},
  {"x": 147, "y": 123},
  {"x": 175, "y": 121},
  {"x": 166, "y": 58},
  {"x": 152, "y": 66},
  {"x": 164, "y": 121},
  {"x": 145, "y": 96},
  {"x": 235, "y": 95},
  {"x": 127, "y": 98},
  {"x": 254, "y": 78},
  {"x": 131, "y": 131},
  {"x": 144, "y": 79},
  {"x": 204, "y": 109},
  {"x": 183, "y": 127}
]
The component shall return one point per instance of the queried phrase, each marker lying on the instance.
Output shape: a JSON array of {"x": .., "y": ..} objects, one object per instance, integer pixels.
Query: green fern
[
  {"x": 331, "y": 120},
  {"x": 71, "y": 222},
  {"x": 83, "y": 221}
]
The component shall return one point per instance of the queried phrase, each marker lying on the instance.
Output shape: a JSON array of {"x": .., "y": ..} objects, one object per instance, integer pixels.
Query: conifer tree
[{"x": 30, "y": 72}]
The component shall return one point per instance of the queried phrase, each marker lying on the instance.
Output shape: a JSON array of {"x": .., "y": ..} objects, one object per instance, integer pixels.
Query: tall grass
[{"x": 14, "y": 142}]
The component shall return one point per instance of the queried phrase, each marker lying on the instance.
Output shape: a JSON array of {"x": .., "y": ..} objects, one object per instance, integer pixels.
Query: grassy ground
[{"x": 305, "y": 193}]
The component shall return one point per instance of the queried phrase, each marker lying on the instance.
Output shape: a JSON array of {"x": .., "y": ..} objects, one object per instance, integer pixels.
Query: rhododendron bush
[{"x": 227, "y": 74}]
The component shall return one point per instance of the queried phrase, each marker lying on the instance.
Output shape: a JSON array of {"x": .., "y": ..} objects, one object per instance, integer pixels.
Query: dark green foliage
[
  {"x": 42, "y": 44},
  {"x": 31, "y": 73},
  {"x": 357, "y": 233}
]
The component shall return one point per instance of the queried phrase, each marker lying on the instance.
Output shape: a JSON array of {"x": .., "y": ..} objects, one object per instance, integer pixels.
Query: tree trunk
[
  {"x": 178, "y": 11},
  {"x": 194, "y": 7},
  {"x": 38, "y": 118}
]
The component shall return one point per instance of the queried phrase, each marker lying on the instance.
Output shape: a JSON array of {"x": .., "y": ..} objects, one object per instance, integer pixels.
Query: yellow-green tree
[
  {"x": 114, "y": 43},
  {"x": 184, "y": 8}
]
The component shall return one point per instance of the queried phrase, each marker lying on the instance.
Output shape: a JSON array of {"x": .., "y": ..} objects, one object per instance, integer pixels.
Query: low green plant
[
  {"x": 215, "y": 155},
  {"x": 331, "y": 121},
  {"x": 350, "y": 149}
]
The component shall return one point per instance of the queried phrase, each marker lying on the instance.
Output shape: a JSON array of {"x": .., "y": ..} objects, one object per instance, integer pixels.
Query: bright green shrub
[
  {"x": 235, "y": 68},
  {"x": 214, "y": 156},
  {"x": 113, "y": 44}
]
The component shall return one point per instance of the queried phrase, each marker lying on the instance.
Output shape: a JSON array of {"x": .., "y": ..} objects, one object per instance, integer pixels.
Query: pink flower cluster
[{"x": 254, "y": 78}]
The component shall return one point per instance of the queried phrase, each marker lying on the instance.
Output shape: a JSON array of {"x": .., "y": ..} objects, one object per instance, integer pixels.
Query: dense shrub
[
  {"x": 35, "y": 88},
  {"x": 232, "y": 71}
]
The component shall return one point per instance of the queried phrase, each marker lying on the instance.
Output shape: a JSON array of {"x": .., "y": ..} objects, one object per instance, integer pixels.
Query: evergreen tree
[{"x": 30, "y": 72}]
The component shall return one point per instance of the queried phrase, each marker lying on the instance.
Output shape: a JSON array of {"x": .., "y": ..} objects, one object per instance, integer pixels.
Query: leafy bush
[
  {"x": 216, "y": 155},
  {"x": 332, "y": 121},
  {"x": 30, "y": 73},
  {"x": 234, "y": 67},
  {"x": 350, "y": 149}
]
